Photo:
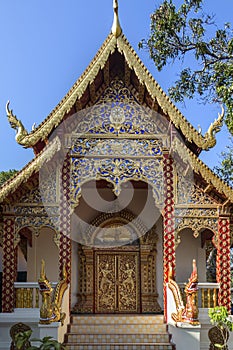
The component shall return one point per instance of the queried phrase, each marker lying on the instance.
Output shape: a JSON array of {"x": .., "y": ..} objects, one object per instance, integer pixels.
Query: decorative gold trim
[
  {"x": 76, "y": 92},
  {"x": 124, "y": 217}
]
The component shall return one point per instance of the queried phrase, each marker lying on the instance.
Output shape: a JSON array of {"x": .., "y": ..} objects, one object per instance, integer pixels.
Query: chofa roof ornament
[
  {"x": 16, "y": 124},
  {"x": 213, "y": 129},
  {"x": 116, "y": 28}
]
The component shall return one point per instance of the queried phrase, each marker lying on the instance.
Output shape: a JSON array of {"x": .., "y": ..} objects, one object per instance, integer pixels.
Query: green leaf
[
  {"x": 219, "y": 346},
  {"x": 188, "y": 31},
  {"x": 6, "y": 175}
]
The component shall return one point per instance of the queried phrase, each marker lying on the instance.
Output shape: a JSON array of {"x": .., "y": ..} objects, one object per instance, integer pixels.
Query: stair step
[
  {"x": 118, "y": 332},
  {"x": 117, "y": 328},
  {"x": 119, "y": 346},
  {"x": 117, "y": 338},
  {"x": 119, "y": 319}
]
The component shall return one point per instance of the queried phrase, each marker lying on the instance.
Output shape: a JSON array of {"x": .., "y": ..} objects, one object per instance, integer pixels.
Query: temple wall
[
  {"x": 189, "y": 249},
  {"x": 22, "y": 263},
  {"x": 43, "y": 247}
]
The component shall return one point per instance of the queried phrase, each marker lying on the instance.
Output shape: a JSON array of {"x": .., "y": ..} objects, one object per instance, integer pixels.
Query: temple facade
[{"x": 116, "y": 194}]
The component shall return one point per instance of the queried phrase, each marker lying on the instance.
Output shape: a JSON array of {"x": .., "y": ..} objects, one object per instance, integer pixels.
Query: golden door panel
[
  {"x": 105, "y": 283},
  {"x": 128, "y": 283},
  {"x": 117, "y": 282}
]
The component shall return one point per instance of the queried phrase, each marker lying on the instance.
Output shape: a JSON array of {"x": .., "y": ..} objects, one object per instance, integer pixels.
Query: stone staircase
[{"x": 118, "y": 332}]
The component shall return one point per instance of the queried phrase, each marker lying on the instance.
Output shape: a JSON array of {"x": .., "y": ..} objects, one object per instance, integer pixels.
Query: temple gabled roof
[
  {"x": 115, "y": 53},
  {"x": 96, "y": 74}
]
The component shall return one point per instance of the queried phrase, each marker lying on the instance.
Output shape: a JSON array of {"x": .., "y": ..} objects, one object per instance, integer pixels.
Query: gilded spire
[{"x": 116, "y": 28}]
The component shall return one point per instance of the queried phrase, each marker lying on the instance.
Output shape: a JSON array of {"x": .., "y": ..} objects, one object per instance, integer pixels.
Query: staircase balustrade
[
  {"x": 207, "y": 296},
  {"x": 27, "y": 295}
]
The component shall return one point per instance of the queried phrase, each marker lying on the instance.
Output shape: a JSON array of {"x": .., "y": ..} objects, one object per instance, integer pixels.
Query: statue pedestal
[
  {"x": 185, "y": 336},
  {"x": 54, "y": 330}
]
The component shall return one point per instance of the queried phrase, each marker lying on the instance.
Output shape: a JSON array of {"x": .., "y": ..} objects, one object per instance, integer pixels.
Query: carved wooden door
[{"x": 117, "y": 282}]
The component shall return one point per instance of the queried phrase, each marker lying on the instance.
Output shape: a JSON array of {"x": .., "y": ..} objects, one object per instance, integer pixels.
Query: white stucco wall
[
  {"x": 189, "y": 249},
  {"x": 21, "y": 263},
  {"x": 43, "y": 247}
]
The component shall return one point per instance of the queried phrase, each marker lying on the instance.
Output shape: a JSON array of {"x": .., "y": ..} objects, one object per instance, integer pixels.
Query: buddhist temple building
[{"x": 114, "y": 205}]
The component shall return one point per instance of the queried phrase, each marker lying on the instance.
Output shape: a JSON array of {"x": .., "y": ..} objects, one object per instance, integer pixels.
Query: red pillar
[
  {"x": 65, "y": 241},
  {"x": 9, "y": 265},
  {"x": 223, "y": 262},
  {"x": 168, "y": 224}
]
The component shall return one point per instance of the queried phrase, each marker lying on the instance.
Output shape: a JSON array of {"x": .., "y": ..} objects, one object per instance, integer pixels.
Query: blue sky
[{"x": 46, "y": 45}]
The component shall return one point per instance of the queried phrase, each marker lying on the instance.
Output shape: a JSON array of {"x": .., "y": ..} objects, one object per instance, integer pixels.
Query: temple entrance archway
[{"x": 118, "y": 278}]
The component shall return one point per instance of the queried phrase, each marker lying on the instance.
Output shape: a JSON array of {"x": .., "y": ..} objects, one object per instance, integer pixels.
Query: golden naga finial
[
  {"x": 50, "y": 310},
  {"x": 189, "y": 312},
  {"x": 116, "y": 28},
  {"x": 16, "y": 124},
  {"x": 210, "y": 139}
]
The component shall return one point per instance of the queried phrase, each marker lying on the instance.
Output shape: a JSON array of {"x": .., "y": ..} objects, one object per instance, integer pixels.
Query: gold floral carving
[
  {"x": 48, "y": 186},
  {"x": 196, "y": 220},
  {"x": 33, "y": 196},
  {"x": 116, "y": 171},
  {"x": 125, "y": 217},
  {"x": 35, "y": 218},
  {"x": 117, "y": 147},
  {"x": 36, "y": 222},
  {"x": 196, "y": 225},
  {"x": 192, "y": 195},
  {"x": 117, "y": 114}
]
